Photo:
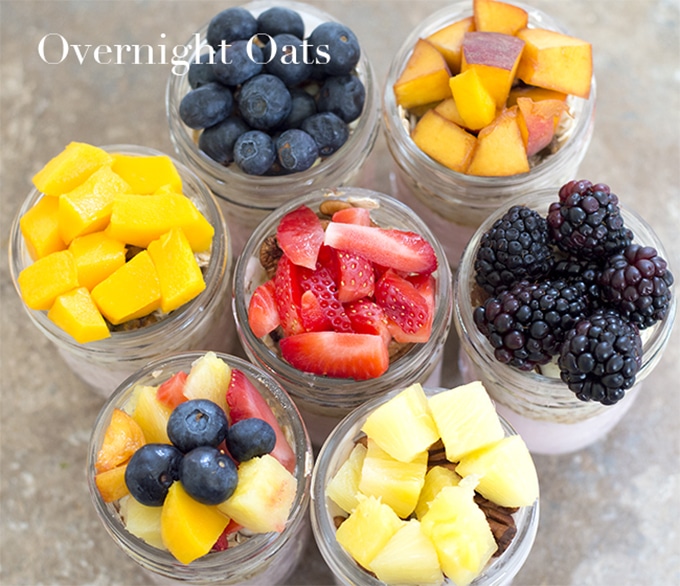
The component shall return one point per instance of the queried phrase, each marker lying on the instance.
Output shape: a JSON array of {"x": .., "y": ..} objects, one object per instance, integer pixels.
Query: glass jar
[
  {"x": 246, "y": 199},
  {"x": 205, "y": 322},
  {"x": 335, "y": 451},
  {"x": 549, "y": 417},
  {"x": 323, "y": 401},
  {"x": 263, "y": 559},
  {"x": 454, "y": 204}
]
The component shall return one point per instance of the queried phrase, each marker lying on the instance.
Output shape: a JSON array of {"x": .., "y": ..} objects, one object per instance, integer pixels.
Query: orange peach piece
[
  {"x": 446, "y": 142},
  {"x": 475, "y": 104},
  {"x": 556, "y": 61},
  {"x": 111, "y": 484},
  {"x": 499, "y": 17},
  {"x": 500, "y": 148},
  {"x": 448, "y": 41},
  {"x": 40, "y": 228},
  {"x": 495, "y": 57},
  {"x": 122, "y": 438},
  {"x": 448, "y": 109},
  {"x": 425, "y": 77},
  {"x": 535, "y": 93},
  {"x": 538, "y": 121}
]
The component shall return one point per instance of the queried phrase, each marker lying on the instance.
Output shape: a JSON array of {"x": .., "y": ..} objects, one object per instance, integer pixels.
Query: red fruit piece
[
  {"x": 300, "y": 235},
  {"x": 171, "y": 392},
  {"x": 287, "y": 293},
  {"x": 245, "y": 401},
  {"x": 337, "y": 354},
  {"x": 402, "y": 302},
  {"x": 222, "y": 542},
  {"x": 263, "y": 316},
  {"x": 353, "y": 215},
  {"x": 313, "y": 317},
  {"x": 321, "y": 283},
  {"x": 426, "y": 286},
  {"x": 355, "y": 276},
  {"x": 368, "y": 317},
  {"x": 398, "y": 249}
]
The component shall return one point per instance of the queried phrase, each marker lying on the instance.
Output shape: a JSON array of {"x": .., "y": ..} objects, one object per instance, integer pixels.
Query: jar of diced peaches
[
  {"x": 107, "y": 317},
  {"x": 173, "y": 529},
  {"x": 246, "y": 198},
  {"x": 342, "y": 295},
  {"x": 456, "y": 160}
]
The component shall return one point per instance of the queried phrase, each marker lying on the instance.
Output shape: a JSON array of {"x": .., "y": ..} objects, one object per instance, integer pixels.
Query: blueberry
[
  {"x": 197, "y": 422},
  {"x": 296, "y": 150},
  {"x": 250, "y": 438},
  {"x": 344, "y": 95},
  {"x": 238, "y": 62},
  {"x": 232, "y": 24},
  {"x": 151, "y": 471},
  {"x": 335, "y": 47},
  {"x": 206, "y": 105},
  {"x": 328, "y": 131},
  {"x": 201, "y": 71},
  {"x": 290, "y": 62},
  {"x": 208, "y": 475},
  {"x": 218, "y": 141},
  {"x": 303, "y": 106},
  {"x": 254, "y": 152},
  {"x": 264, "y": 101},
  {"x": 278, "y": 19}
]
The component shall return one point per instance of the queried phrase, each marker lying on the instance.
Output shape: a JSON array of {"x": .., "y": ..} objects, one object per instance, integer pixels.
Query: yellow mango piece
[
  {"x": 476, "y": 106},
  {"x": 47, "y": 278},
  {"x": 499, "y": 17},
  {"x": 76, "y": 314},
  {"x": 129, "y": 292},
  {"x": 179, "y": 275},
  {"x": 70, "y": 168},
  {"x": 146, "y": 174},
  {"x": 40, "y": 228},
  {"x": 140, "y": 219},
  {"x": 189, "y": 529},
  {"x": 424, "y": 78},
  {"x": 446, "y": 142},
  {"x": 449, "y": 40},
  {"x": 97, "y": 256},
  {"x": 537, "y": 94},
  {"x": 87, "y": 208}
]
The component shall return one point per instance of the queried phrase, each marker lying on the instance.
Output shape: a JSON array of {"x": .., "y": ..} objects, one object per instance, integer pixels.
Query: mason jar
[
  {"x": 205, "y": 322},
  {"x": 322, "y": 400},
  {"x": 499, "y": 572},
  {"x": 246, "y": 199},
  {"x": 261, "y": 559},
  {"x": 548, "y": 416},
  {"x": 454, "y": 204}
]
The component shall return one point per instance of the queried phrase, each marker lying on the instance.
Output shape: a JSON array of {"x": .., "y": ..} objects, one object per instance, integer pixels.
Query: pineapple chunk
[
  {"x": 111, "y": 484},
  {"x": 142, "y": 521},
  {"x": 506, "y": 472},
  {"x": 209, "y": 378},
  {"x": 436, "y": 478},
  {"x": 367, "y": 530},
  {"x": 466, "y": 419},
  {"x": 263, "y": 497},
  {"x": 397, "y": 484},
  {"x": 76, "y": 314},
  {"x": 343, "y": 488},
  {"x": 40, "y": 228},
  {"x": 409, "y": 557},
  {"x": 403, "y": 426},
  {"x": 151, "y": 415},
  {"x": 122, "y": 438}
]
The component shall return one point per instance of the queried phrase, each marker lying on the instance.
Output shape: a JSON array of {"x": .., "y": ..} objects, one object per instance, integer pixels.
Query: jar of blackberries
[{"x": 562, "y": 354}]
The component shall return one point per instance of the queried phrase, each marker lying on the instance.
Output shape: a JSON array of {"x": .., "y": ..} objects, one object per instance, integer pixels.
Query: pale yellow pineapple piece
[
  {"x": 436, "y": 478},
  {"x": 403, "y": 426},
  {"x": 142, "y": 521},
  {"x": 209, "y": 378},
  {"x": 343, "y": 488},
  {"x": 151, "y": 415}
]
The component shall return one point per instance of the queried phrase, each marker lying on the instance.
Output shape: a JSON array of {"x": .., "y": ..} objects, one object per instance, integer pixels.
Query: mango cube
[
  {"x": 97, "y": 256},
  {"x": 146, "y": 174},
  {"x": 70, "y": 168},
  {"x": 449, "y": 41},
  {"x": 47, "y": 278},
  {"x": 130, "y": 292},
  {"x": 179, "y": 275},
  {"x": 499, "y": 17},
  {"x": 76, "y": 314},
  {"x": 425, "y": 79},
  {"x": 446, "y": 142},
  {"x": 40, "y": 228},
  {"x": 476, "y": 106}
]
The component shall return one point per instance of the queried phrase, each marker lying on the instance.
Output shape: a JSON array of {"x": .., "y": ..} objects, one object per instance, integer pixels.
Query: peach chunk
[
  {"x": 122, "y": 438},
  {"x": 425, "y": 79},
  {"x": 446, "y": 142},
  {"x": 538, "y": 121},
  {"x": 475, "y": 104},
  {"x": 449, "y": 41},
  {"x": 500, "y": 148},
  {"x": 495, "y": 57},
  {"x": 111, "y": 483},
  {"x": 556, "y": 61},
  {"x": 448, "y": 109},
  {"x": 499, "y": 17},
  {"x": 535, "y": 93}
]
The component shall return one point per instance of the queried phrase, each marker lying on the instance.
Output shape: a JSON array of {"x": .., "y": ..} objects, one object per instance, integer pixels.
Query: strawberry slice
[
  {"x": 368, "y": 317},
  {"x": 321, "y": 283},
  {"x": 300, "y": 235},
  {"x": 287, "y": 293},
  {"x": 171, "y": 392},
  {"x": 426, "y": 286},
  {"x": 313, "y": 317},
  {"x": 263, "y": 316},
  {"x": 402, "y": 302},
  {"x": 398, "y": 249},
  {"x": 222, "y": 542},
  {"x": 244, "y": 401},
  {"x": 337, "y": 354},
  {"x": 353, "y": 215},
  {"x": 356, "y": 278}
]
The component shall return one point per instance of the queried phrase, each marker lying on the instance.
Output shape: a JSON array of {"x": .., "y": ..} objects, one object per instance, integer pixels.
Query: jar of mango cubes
[
  {"x": 521, "y": 132},
  {"x": 246, "y": 198},
  {"x": 121, "y": 254}
]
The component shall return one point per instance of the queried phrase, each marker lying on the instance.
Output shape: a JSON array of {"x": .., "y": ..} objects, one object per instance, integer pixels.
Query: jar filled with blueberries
[{"x": 278, "y": 100}]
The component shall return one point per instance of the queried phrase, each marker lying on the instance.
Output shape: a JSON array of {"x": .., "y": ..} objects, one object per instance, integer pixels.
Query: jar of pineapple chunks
[
  {"x": 246, "y": 199},
  {"x": 223, "y": 552},
  {"x": 452, "y": 202},
  {"x": 355, "y": 499},
  {"x": 204, "y": 321},
  {"x": 354, "y": 373}
]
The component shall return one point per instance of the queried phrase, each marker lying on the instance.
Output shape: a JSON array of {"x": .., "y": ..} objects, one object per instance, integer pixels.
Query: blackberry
[
  {"x": 516, "y": 247},
  {"x": 600, "y": 357},
  {"x": 527, "y": 323},
  {"x": 587, "y": 271},
  {"x": 587, "y": 222},
  {"x": 637, "y": 282}
]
